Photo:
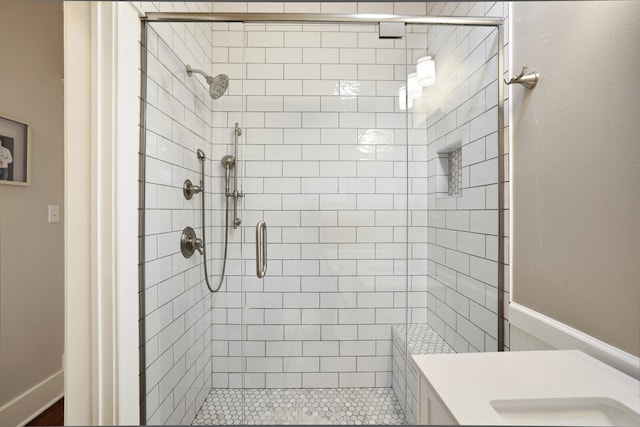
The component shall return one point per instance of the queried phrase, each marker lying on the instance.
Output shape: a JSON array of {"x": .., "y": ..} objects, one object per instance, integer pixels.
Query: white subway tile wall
[
  {"x": 327, "y": 161},
  {"x": 177, "y": 305},
  {"x": 463, "y": 230},
  {"x": 324, "y": 158}
]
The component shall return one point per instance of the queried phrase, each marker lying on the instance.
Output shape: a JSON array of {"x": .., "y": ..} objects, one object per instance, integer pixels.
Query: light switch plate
[{"x": 54, "y": 213}]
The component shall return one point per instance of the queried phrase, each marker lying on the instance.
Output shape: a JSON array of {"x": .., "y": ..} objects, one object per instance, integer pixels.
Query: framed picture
[{"x": 15, "y": 152}]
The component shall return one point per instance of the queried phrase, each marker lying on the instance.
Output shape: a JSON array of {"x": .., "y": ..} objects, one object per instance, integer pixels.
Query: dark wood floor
[{"x": 53, "y": 416}]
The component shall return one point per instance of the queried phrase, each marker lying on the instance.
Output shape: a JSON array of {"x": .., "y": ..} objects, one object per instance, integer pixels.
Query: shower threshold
[{"x": 278, "y": 406}]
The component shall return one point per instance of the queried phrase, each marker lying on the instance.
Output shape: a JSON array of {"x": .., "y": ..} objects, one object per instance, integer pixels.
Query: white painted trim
[
  {"x": 511, "y": 124},
  {"x": 564, "y": 337},
  {"x": 78, "y": 389},
  {"x": 19, "y": 411},
  {"x": 136, "y": 7},
  {"x": 102, "y": 213},
  {"x": 101, "y": 174},
  {"x": 126, "y": 170}
]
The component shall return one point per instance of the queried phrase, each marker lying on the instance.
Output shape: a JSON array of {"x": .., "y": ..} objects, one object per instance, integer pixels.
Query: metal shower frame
[{"x": 497, "y": 23}]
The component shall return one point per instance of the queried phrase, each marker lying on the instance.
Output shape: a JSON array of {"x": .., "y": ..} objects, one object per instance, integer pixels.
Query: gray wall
[
  {"x": 575, "y": 167},
  {"x": 31, "y": 249}
]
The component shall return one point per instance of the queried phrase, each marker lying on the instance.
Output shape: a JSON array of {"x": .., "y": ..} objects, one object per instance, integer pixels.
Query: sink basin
[{"x": 583, "y": 411}]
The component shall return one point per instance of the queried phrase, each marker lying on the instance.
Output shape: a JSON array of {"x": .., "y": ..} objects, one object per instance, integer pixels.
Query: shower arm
[{"x": 195, "y": 70}]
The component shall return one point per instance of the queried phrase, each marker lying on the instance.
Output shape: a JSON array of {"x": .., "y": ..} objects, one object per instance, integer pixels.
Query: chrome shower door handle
[{"x": 261, "y": 249}]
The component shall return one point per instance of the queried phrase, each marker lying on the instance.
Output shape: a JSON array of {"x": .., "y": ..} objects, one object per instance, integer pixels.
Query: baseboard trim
[
  {"x": 32, "y": 402},
  {"x": 564, "y": 337}
]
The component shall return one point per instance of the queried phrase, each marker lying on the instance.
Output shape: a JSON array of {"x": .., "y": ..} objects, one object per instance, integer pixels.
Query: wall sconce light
[
  {"x": 403, "y": 100},
  {"x": 413, "y": 87},
  {"x": 426, "y": 71}
]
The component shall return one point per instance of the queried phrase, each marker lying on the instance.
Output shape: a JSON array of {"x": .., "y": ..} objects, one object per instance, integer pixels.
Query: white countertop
[{"x": 468, "y": 382}]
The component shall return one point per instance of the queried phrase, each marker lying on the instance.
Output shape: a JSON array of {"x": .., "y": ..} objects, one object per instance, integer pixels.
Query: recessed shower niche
[
  {"x": 360, "y": 243},
  {"x": 449, "y": 177}
]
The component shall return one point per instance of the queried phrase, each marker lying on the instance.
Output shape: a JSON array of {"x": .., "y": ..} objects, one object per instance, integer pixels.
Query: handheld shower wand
[{"x": 228, "y": 162}]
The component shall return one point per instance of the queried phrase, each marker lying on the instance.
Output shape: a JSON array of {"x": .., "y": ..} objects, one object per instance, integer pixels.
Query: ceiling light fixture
[{"x": 403, "y": 100}]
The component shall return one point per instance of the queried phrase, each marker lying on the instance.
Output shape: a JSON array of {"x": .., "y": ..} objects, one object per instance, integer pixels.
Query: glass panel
[
  {"x": 457, "y": 117},
  {"x": 229, "y": 134},
  {"x": 177, "y": 303},
  {"x": 325, "y": 167},
  {"x": 370, "y": 259}
]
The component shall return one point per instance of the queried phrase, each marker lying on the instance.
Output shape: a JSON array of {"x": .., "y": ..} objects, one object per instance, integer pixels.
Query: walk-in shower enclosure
[{"x": 381, "y": 201}]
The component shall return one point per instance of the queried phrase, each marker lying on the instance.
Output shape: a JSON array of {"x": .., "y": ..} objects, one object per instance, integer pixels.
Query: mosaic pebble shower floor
[{"x": 353, "y": 406}]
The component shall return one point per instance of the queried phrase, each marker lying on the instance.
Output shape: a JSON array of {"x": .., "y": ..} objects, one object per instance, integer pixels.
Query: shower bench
[{"x": 409, "y": 340}]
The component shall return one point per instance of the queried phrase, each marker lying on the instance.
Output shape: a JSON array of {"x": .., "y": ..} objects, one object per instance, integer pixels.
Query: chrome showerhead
[{"x": 217, "y": 85}]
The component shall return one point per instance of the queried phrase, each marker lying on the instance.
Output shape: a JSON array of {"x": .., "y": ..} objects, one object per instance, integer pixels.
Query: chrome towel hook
[{"x": 527, "y": 80}]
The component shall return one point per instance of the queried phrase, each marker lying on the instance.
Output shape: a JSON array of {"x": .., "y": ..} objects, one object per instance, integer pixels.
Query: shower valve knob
[
  {"x": 198, "y": 245},
  {"x": 189, "y": 189},
  {"x": 189, "y": 242}
]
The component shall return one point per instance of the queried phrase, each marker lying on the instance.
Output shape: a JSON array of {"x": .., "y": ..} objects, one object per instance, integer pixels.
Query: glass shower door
[
  {"x": 325, "y": 167},
  {"x": 381, "y": 205}
]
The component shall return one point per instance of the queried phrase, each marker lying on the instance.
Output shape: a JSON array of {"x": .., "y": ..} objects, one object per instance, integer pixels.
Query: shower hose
[{"x": 226, "y": 237}]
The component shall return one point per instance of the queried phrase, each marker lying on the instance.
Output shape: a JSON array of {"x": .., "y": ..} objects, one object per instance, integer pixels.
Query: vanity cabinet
[
  {"x": 432, "y": 408},
  {"x": 556, "y": 387}
]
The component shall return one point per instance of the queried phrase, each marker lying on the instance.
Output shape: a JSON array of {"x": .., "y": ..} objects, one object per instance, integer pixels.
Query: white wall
[
  {"x": 575, "y": 167},
  {"x": 31, "y": 249}
]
